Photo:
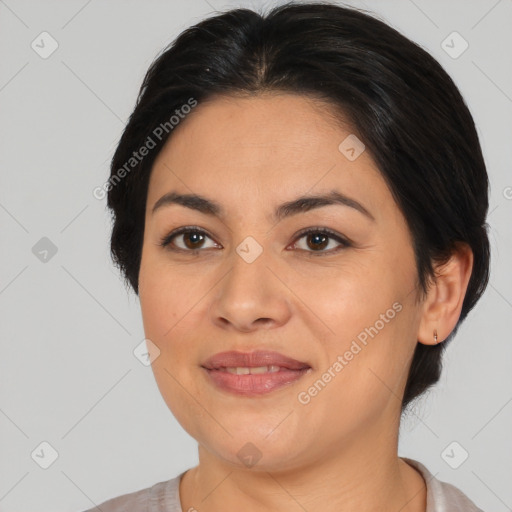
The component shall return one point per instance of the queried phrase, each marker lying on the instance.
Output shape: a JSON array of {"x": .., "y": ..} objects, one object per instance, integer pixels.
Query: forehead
[
  {"x": 293, "y": 123},
  {"x": 264, "y": 147}
]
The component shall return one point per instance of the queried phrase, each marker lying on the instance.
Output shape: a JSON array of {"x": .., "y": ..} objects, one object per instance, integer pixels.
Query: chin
[{"x": 255, "y": 453}]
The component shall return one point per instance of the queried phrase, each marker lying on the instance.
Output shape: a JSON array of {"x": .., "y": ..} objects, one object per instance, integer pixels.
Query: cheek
[
  {"x": 172, "y": 302},
  {"x": 347, "y": 297},
  {"x": 165, "y": 294},
  {"x": 376, "y": 354},
  {"x": 372, "y": 319},
  {"x": 360, "y": 379},
  {"x": 167, "y": 310}
]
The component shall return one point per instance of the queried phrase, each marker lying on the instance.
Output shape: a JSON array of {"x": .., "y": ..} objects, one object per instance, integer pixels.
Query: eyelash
[{"x": 166, "y": 240}]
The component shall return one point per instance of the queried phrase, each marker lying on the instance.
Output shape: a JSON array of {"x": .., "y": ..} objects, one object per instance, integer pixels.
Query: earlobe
[{"x": 443, "y": 304}]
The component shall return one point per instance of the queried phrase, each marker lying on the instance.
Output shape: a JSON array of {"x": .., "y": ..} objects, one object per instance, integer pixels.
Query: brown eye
[
  {"x": 318, "y": 239},
  {"x": 186, "y": 239},
  {"x": 193, "y": 239}
]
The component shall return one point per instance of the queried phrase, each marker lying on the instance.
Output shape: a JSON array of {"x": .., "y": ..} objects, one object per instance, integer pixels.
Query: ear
[{"x": 443, "y": 304}]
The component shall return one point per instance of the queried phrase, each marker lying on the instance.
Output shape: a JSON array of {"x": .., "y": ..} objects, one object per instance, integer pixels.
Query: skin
[{"x": 339, "y": 451}]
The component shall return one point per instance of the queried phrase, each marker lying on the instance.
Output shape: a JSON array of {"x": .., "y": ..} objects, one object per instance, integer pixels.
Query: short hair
[{"x": 395, "y": 96}]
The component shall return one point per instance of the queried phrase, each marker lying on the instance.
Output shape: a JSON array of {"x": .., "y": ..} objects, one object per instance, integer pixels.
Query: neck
[{"x": 365, "y": 474}]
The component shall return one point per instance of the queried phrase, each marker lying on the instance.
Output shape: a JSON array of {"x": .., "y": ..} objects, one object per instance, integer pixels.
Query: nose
[{"x": 250, "y": 297}]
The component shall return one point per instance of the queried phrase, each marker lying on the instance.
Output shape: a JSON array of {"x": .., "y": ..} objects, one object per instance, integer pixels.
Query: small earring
[{"x": 435, "y": 336}]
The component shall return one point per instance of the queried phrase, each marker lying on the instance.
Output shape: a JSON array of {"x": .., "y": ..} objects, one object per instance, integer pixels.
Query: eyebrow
[{"x": 300, "y": 205}]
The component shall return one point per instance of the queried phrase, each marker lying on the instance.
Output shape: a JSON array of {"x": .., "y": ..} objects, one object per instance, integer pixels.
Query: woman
[{"x": 299, "y": 201}]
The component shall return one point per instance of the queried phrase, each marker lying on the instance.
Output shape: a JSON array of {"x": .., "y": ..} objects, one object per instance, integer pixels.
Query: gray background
[{"x": 68, "y": 374}]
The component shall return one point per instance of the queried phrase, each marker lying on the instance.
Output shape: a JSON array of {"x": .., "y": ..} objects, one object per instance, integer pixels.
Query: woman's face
[{"x": 250, "y": 281}]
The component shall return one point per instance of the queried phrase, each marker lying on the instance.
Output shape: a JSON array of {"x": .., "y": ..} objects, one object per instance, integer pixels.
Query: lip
[
  {"x": 290, "y": 370},
  {"x": 252, "y": 360}
]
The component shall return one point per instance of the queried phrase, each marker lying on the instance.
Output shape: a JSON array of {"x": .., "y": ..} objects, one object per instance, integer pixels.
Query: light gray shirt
[{"x": 165, "y": 496}]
